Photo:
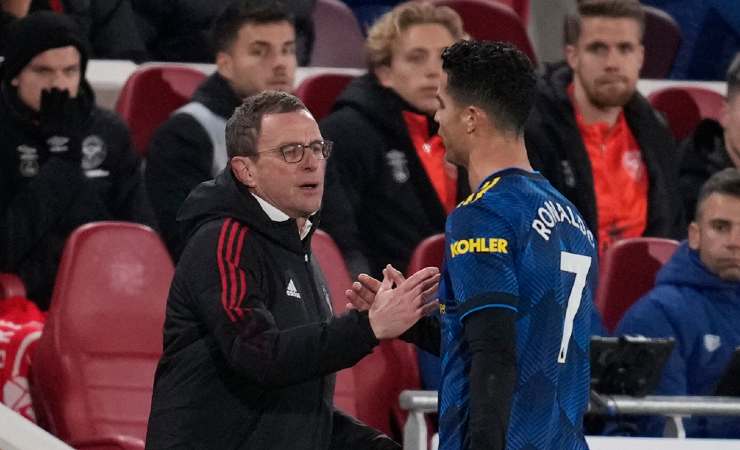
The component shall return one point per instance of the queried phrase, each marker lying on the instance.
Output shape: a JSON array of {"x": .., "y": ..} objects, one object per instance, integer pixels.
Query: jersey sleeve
[{"x": 481, "y": 246}]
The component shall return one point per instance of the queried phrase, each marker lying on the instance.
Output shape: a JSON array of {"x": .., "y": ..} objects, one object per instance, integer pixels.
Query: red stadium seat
[
  {"x": 150, "y": 95},
  {"x": 338, "y": 280},
  {"x": 319, "y": 92},
  {"x": 338, "y": 37},
  {"x": 684, "y": 107},
  {"x": 492, "y": 21},
  {"x": 93, "y": 369},
  {"x": 429, "y": 253},
  {"x": 11, "y": 286},
  {"x": 520, "y": 7},
  {"x": 627, "y": 272}
]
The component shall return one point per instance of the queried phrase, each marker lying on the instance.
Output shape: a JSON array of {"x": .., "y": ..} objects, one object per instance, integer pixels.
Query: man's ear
[
  {"x": 724, "y": 115},
  {"x": 383, "y": 74},
  {"x": 571, "y": 56},
  {"x": 694, "y": 236},
  {"x": 225, "y": 65},
  {"x": 244, "y": 170},
  {"x": 474, "y": 118}
]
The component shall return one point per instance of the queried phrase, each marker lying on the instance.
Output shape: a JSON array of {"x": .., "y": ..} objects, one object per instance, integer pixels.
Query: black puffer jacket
[
  {"x": 557, "y": 150},
  {"x": 250, "y": 343},
  {"x": 43, "y": 198},
  {"x": 703, "y": 155}
]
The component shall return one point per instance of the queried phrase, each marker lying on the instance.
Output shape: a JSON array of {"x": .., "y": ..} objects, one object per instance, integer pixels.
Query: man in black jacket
[
  {"x": 63, "y": 161},
  {"x": 250, "y": 341},
  {"x": 713, "y": 146},
  {"x": 389, "y": 158},
  {"x": 255, "y": 51},
  {"x": 597, "y": 139}
]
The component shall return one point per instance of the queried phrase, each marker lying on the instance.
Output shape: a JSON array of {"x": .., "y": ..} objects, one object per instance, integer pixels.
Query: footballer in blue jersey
[
  {"x": 517, "y": 244},
  {"x": 516, "y": 295}
]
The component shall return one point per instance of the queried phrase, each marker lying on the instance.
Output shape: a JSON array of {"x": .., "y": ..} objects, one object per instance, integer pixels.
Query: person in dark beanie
[{"x": 63, "y": 161}]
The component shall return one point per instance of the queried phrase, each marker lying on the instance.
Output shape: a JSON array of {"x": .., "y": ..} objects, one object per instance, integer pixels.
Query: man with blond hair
[{"x": 388, "y": 156}]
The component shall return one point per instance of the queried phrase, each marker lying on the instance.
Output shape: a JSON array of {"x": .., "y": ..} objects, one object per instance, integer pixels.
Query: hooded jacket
[
  {"x": 392, "y": 200},
  {"x": 702, "y": 312},
  {"x": 250, "y": 343},
  {"x": 703, "y": 155},
  {"x": 182, "y": 155},
  {"x": 43, "y": 198},
  {"x": 557, "y": 150}
]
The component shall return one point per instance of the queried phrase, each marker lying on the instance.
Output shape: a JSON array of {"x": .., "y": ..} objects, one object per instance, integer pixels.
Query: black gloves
[{"x": 61, "y": 124}]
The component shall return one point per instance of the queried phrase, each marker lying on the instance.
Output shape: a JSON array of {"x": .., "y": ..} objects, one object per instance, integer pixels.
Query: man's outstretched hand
[{"x": 396, "y": 303}]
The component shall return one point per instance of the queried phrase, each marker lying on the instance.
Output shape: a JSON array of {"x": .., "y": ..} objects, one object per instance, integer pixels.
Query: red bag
[{"x": 21, "y": 324}]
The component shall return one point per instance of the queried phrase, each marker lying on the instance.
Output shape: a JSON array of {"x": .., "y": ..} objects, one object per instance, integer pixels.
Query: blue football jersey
[{"x": 522, "y": 241}]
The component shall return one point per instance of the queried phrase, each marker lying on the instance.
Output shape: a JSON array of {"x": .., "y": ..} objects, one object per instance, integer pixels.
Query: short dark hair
[
  {"x": 733, "y": 77},
  {"x": 226, "y": 26},
  {"x": 725, "y": 182},
  {"x": 614, "y": 9},
  {"x": 495, "y": 76},
  {"x": 243, "y": 128}
]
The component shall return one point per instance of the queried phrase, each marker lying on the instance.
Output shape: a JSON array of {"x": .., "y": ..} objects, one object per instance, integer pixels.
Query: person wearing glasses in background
[{"x": 250, "y": 341}]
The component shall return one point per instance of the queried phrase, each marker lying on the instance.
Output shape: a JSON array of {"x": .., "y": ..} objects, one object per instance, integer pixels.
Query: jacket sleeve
[
  {"x": 231, "y": 298},
  {"x": 348, "y": 432},
  {"x": 491, "y": 337},
  {"x": 178, "y": 160},
  {"x": 27, "y": 215}
]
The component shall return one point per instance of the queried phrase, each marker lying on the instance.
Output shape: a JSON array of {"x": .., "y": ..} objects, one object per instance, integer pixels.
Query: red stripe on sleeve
[
  {"x": 222, "y": 267},
  {"x": 242, "y": 292},
  {"x": 231, "y": 267}
]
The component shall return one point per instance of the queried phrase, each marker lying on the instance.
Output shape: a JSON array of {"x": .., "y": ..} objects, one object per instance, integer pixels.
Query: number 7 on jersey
[{"x": 579, "y": 265}]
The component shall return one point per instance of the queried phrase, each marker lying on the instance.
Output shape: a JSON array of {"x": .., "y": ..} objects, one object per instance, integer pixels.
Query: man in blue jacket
[{"x": 696, "y": 300}]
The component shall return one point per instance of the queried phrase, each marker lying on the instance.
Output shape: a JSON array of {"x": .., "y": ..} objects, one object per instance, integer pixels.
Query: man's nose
[
  {"x": 310, "y": 161},
  {"x": 735, "y": 237}
]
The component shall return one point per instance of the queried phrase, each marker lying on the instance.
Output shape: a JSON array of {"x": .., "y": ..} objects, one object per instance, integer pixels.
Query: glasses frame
[{"x": 326, "y": 148}]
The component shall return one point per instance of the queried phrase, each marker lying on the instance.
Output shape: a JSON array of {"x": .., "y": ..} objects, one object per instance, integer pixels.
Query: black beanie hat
[{"x": 36, "y": 33}]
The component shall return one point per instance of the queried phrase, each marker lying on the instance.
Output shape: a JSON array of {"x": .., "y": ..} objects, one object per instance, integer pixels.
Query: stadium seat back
[
  {"x": 492, "y": 21},
  {"x": 662, "y": 40},
  {"x": 684, "y": 107},
  {"x": 428, "y": 253},
  {"x": 93, "y": 369},
  {"x": 338, "y": 38},
  {"x": 319, "y": 92},
  {"x": 150, "y": 95},
  {"x": 628, "y": 272}
]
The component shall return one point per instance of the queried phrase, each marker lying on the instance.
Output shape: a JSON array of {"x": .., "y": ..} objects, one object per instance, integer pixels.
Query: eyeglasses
[{"x": 293, "y": 153}]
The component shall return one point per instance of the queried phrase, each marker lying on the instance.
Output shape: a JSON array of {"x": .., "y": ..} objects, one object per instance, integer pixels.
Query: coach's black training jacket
[{"x": 250, "y": 344}]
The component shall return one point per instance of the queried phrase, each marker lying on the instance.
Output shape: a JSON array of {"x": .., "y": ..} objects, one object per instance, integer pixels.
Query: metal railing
[{"x": 419, "y": 403}]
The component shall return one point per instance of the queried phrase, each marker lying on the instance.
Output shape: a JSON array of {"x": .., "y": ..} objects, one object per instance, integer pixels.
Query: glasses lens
[{"x": 292, "y": 152}]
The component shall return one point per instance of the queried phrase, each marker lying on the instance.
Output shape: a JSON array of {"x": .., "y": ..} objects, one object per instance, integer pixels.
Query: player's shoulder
[{"x": 506, "y": 193}]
